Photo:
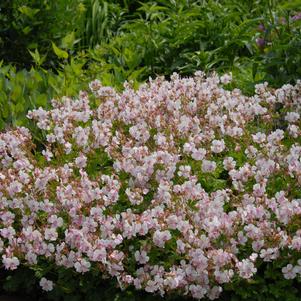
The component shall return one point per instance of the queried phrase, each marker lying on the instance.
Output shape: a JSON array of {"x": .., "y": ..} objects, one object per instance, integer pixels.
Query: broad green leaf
[
  {"x": 16, "y": 93},
  {"x": 26, "y": 30},
  {"x": 59, "y": 52},
  {"x": 4, "y": 105},
  {"x": 68, "y": 40},
  {"x": 19, "y": 107},
  {"x": 41, "y": 100},
  {"x": 76, "y": 68},
  {"x": 135, "y": 74},
  {"x": 29, "y": 12}
]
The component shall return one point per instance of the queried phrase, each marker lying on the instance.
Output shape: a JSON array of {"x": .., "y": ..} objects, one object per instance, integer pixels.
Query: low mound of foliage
[{"x": 179, "y": 187}]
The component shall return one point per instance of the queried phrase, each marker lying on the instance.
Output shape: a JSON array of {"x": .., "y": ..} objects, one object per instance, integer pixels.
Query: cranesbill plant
[{"x": 180, "y": 186}]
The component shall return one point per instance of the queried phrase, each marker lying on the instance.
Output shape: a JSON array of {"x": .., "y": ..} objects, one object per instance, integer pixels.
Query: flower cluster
[{"x": 179, "y": 186}]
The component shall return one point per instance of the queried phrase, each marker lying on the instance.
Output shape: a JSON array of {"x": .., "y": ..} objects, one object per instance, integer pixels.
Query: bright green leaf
[
  {"x": 37, "y": 58},
  {"x": 68, "y": 40},
  {"x": 59, "y": 52},
  {"x": 29, "y": 12}
]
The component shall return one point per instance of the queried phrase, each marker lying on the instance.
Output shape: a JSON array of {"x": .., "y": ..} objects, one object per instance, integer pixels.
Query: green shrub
[
  {"x": 31, "y": 24},
  {"x": 23, "y": 90}
]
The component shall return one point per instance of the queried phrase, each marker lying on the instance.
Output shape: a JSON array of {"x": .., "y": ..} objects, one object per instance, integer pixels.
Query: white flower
[
  {"x": 46, "y": 285},
  {"x": 226, "y": 78},
  {"x": 208, "y": 166},
  {"x": 217, "y": 146},
  {"x": 160, "y": 237}
]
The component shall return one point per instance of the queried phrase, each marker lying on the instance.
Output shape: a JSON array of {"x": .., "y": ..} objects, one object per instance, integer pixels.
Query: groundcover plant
[{"x": 180, "y": 186}]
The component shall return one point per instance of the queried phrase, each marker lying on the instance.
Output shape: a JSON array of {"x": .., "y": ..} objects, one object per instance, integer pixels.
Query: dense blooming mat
[{"x": 178, "y": 186}]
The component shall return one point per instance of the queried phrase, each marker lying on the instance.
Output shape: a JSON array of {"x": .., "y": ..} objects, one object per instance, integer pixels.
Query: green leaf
[
  {"x": 135, "y": 74},
  {"x": 4, "y": 105},
  {"x": 59, "y": 52},
  {"x": 41, "y": 100},
  {"x": 68, "y": 40},
  {"x": 26, "y": 30},
  {"x": 37, "y": 58},
  {"x": 29, "y": 12},
  {"x": 295, "y": 4},
  {"x": 19, "y": 107},
  {"x": 76, "y": 68},
  {"x": 16, "y": 92}
]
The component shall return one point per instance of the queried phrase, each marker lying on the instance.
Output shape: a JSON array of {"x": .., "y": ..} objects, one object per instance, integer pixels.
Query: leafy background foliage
[
  {"x": 53, "y": 48},
  {"x": 67, "y": 43}
]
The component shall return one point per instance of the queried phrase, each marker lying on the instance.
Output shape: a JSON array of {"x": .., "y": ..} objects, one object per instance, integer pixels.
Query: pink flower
[
  {"x": 141, "y": 257},
  {"x": 208, "y": 166},
  {"x": 292, "y": 117},
  {"x": 161, "y": 237},
  {"x": 198, "y": 154},
  {"x": 82, "y": 266},
  {"x": 229, "y": 163},
  {"x": 55, "y": 221},
  {"x": 246, "y": 268},
  {"x": 47, "y": 154},
  {"x": 99, "y": 254},
  {"x": 217, "y": 146},
  {"x": 259, "y": 137},
  {"x": 51, "y": 234},
  {"x": 197, "y": 291},
  {"x": 81, "y": 161},
  {"x": 10, "y": 263},
  {"x": 289, "y": 272},
  {"x": 14, "y": 187},
  {"x": 46, "y": 285},
  {"x": 226, "y": 78}
]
